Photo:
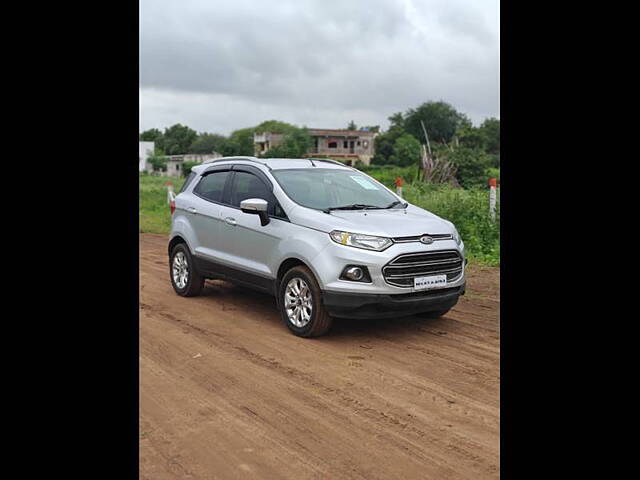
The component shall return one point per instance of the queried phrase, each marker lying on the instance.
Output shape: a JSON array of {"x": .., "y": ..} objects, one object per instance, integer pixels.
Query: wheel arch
[
  {"x": 177, "y": 239},
  {"x": 287, "y": 265}
]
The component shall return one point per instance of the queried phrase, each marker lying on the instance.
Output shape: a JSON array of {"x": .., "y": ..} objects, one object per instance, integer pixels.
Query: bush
[
  {"x": 187, "y": 166},
  {"x": 159, "y": 163},
  {"x": 493, "y": 173},
  {"x": 467, "y": 209},
  {"x": 469, "y": 212},
  {"x": 406, "y": 151},
  {"x": 472, "y": 166},
  {"x": 387, "y": 174}
]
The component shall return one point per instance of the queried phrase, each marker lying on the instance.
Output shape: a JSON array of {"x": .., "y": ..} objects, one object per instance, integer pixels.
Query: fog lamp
[{"x": 355, "y": 273}]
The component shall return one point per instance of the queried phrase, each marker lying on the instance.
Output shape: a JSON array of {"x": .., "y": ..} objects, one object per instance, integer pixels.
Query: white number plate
[{"x": 434, "y": 281}]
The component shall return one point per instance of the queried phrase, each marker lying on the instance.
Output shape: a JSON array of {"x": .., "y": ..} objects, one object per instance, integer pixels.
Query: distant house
[
  {"x": 145, "y": 150},
  {"x": 175, "y": 162},
  {"x": 345, "y": 145}
]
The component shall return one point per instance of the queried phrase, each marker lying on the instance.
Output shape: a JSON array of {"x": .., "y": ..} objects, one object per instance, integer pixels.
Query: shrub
[
  {"x": 472, "y": 166},
  {"x": 406, "y": 151},
  {"x": 469, "y": 212},
  {"x": 467, "y": 209},
  {"x": 187, "y": 166}
]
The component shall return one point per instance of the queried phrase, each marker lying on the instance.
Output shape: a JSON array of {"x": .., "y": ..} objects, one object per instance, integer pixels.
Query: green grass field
[
  {"x": 155, "y": 216},
  {"x": 467, "y": 209}
]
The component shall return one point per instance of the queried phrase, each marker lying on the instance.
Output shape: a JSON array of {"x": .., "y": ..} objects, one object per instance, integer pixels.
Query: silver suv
[{"x": 325, "y": 239}]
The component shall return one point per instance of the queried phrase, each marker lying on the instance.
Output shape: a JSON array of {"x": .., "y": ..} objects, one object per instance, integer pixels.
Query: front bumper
[
  {"x": 331, "y": 260},
  {"x": 368, "y": 305}
]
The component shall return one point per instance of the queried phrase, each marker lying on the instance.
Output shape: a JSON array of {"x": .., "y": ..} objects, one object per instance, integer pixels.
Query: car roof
[{"x": 274, "y": 163}]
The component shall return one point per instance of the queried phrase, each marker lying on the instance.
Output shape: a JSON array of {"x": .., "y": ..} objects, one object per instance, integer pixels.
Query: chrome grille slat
[
  {"x": 401, "y": 270},
  {"x": 422, "y": 264}
]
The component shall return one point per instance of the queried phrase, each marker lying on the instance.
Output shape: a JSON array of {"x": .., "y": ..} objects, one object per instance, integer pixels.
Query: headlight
[
  {"x": 456, "y": 236},
  {"x": 358, "y": 240}
]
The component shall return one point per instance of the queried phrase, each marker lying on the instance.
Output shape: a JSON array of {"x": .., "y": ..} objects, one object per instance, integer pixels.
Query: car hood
[{"x": 383, "y": 223}]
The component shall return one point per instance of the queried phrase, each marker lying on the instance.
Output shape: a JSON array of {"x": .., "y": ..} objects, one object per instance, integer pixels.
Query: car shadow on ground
[{"x": 237, "y": 297}]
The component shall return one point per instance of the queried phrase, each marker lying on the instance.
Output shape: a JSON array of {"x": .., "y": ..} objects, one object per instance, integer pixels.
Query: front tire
[
  {"x": 300, "y": 303},
  {"x": 186, "y": 281}
]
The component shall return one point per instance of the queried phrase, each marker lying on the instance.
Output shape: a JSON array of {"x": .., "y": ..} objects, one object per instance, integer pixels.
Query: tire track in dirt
[{"x": 406, "y": 398}]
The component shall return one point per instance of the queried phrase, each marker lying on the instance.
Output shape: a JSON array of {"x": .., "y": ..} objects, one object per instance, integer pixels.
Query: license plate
[{"x": 433, "y": 281}]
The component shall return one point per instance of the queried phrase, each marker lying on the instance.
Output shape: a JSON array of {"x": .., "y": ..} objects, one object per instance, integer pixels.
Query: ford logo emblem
[{"x": 426, "y": 239}]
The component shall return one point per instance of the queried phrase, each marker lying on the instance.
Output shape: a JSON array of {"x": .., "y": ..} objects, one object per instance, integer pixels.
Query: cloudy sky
[{"x": 221, "y": 65}]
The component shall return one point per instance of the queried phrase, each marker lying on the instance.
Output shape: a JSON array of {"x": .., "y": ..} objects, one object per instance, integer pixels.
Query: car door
[
  {"x": 250, "y": 245},
  {"x": 205, "y": 212}
]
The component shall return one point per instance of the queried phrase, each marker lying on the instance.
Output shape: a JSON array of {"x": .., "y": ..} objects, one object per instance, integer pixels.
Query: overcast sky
[{"x": 221, "y": 65}]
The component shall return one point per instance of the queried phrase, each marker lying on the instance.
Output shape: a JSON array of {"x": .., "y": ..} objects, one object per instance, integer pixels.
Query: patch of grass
[{"x": 155, "y": 215}]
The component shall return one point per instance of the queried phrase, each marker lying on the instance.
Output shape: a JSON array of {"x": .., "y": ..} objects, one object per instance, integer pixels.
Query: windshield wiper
[
  {"x": 397, "y": 202},
  {"x": 355, "y": 206}
]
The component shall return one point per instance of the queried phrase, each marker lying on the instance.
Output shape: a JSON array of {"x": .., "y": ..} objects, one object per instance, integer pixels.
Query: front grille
[
  {"x": 416, "y": 238},
  {"x": 403, "y": 269}
]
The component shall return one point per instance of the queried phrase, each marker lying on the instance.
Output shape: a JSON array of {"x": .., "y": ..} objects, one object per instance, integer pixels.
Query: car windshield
[{"x": 326, "y": 188}]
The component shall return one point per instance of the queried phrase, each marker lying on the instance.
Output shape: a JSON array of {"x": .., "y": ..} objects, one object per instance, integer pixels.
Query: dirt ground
[{"x": 227, "y": 392}]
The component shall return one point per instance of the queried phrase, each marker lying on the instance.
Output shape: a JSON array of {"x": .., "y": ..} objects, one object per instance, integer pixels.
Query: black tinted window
[
  {"x": 212, "y": 186},
  {"x": 247, "y": 185}
]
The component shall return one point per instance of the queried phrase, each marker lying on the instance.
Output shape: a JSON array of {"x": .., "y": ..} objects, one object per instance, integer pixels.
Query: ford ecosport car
[{"x": 324, "y": 238}]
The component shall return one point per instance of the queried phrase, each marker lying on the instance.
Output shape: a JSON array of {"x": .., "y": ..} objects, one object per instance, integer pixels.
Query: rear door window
[{"x": 211, "y": 187}]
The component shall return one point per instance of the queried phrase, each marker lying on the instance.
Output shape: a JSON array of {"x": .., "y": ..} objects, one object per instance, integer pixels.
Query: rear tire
[
  {"x": 186, "y": 281},
  {"x": 300, "y": 303}
]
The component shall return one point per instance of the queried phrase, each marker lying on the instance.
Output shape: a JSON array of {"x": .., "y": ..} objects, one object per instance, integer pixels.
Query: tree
[
  {"x": 177, "y": 139},
  {"x": 472, "y": 164},
  {"x": 491, "y": 130},
  {"x": 440, "y": 119},
  {"x": 274, "y": 126},
  {"x": 295, "y": 144},
  {"x": 406, "y": 151},
  {"x": 208, "y": 143},
  {"x": 472, "y": 137},
  {"x": 158, "y": 160},
  {"x": 151, "y": 135},
  {"x": 240, "y": 143},
  {"x": 385, "y": 141},
  {"x": 352, "y": 126}
]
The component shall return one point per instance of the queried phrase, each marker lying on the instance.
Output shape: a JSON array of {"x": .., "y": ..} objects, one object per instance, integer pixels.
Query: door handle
[
  {"x": 230, "y": 221},
  {"x": 192, "y": 210}
]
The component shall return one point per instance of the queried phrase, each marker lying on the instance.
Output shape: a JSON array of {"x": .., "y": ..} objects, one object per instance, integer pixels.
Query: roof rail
[
  {"x": 328, "y": 160},
  {"x": 247, "y": 158}
]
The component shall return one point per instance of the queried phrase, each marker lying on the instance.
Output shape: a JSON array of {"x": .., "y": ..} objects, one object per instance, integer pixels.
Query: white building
[{"x": 145, "y": 150}]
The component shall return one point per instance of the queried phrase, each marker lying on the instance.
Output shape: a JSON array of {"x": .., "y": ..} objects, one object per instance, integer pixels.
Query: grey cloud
[{"x": 293, "y": 58}]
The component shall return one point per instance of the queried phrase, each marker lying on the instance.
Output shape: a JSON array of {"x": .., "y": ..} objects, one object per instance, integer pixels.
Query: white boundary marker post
[
  {"x": 492, "y": 198},
  {"x": 170, "y": 194},
  {"x": 171, "y": 197}
]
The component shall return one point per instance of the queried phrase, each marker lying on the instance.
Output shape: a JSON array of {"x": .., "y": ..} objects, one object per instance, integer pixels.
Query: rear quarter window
[{"x": 186, "y": 183}]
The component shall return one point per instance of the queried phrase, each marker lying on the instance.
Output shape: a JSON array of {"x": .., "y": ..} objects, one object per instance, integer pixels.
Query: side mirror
[{"x": 256, "y": 206}]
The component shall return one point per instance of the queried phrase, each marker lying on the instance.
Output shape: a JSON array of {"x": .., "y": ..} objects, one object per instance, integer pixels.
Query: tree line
[{"x": 474, "y": 151}]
